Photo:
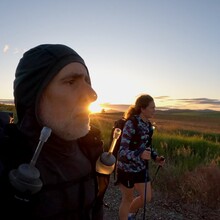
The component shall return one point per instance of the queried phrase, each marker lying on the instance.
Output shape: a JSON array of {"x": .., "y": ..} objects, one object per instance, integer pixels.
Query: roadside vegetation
[
  {"x": 7, "y": 108},
  {"x": 190, "y": 143}
]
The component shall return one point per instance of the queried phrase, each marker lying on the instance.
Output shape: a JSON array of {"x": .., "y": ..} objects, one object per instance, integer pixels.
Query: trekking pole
[
  {"x": 158, "y": 168},
  {"x": 145, "y": 189},
  {"x": 26, "y": 179},
  {"x": 106, "y": 162},
  {"x": 145, "y": 185}
]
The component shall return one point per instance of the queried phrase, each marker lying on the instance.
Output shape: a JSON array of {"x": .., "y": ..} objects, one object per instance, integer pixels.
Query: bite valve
[
  {"x": 26, "y": 178},
  {"x": 106, "y": 162}
]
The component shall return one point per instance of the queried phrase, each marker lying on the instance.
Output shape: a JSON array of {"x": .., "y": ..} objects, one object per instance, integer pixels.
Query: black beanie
[{"x": 34, "y": 71}]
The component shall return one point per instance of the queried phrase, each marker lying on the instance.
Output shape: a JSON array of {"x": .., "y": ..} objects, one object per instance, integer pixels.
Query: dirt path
[{"x": 160, "y": 208}]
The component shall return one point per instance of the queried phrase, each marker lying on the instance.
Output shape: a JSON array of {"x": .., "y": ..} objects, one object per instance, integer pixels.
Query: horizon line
[{"x": 123, "y": 107}]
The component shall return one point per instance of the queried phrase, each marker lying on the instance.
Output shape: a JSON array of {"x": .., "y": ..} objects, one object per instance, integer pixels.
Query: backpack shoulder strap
[
  {"x": 134, "y": 121},
  {"x": 119, "y": 123},
  {"x": 136, "y": 136}
]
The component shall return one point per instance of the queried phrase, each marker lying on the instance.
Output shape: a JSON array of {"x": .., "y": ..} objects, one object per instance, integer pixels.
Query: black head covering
[{"x": 34, "y": 71}]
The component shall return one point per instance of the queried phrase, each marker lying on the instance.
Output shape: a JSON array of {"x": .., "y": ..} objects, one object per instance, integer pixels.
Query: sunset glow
[
  {"x": 95, "y": 108},
  {"x": 168, "y": 49}
]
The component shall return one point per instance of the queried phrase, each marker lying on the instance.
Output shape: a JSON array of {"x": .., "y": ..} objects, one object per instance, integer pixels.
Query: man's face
[{"x": 65, "y": 101}]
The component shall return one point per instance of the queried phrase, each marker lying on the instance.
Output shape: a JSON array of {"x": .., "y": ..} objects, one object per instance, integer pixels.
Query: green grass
[
  {"x": 184, "y": 148},
  {"x": 190, "y": 142},
  {"x": 191, "y": 150}
]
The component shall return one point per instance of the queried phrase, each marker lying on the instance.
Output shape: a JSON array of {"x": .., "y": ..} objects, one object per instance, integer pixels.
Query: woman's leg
[
  {"x": 138, "y": 202},
  {"x": 127, "y": 197}
]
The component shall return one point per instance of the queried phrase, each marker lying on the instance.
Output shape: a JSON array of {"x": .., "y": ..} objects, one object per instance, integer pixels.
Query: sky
[{"x": 169, "y": 49}]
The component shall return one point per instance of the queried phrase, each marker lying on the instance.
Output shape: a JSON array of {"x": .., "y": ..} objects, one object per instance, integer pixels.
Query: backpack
[
  {"x": 6, "y": 117},
  {"x": 134, "y": 141}
]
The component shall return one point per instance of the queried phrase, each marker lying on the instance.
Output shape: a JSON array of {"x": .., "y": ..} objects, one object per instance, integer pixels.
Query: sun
[{"x": 95, "y": 108}]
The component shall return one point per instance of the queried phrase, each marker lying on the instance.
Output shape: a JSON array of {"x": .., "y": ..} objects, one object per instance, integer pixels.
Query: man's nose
[
  {"x": 94, "y": 95},
  {"x": 90, "y": 93}
]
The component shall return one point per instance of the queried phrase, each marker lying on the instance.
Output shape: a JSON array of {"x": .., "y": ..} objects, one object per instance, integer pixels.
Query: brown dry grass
[
  {"x": 205, "y": 123},
  {"x": 200, "y": 186}
]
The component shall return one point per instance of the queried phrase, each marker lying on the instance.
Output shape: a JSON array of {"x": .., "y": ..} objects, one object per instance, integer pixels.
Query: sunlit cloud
[
  {"x": 161, "y": 97},
  {"x": 14, "y": 50},
  {"x": 6, "y": 48},
  {"x": 193, "y": 103},
  {"x": 166, "y": 102},
  {"x": 202, "y": 101}
]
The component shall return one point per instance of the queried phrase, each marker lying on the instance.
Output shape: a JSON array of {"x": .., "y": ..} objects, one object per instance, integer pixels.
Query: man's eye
[
  {"x": 87, "y": 79},
  {"x": 70, "y": 82}
]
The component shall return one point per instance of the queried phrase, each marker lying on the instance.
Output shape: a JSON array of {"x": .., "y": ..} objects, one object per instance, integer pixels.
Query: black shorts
[{"x": 129, "y": 179}]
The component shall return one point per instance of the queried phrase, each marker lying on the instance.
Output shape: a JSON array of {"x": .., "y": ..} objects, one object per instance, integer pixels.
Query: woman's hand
[{"x": 160, "y": 160}]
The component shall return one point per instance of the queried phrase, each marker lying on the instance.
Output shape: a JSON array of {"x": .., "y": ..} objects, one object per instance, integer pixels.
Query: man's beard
[{"x": 68, "y": 129}]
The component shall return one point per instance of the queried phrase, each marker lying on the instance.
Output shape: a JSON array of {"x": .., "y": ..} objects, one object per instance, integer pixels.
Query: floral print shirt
[{"x": 129, "y": 160}]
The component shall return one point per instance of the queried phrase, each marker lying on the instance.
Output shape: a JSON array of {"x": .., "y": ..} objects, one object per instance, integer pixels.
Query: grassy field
[
  {"x": 190, "y": 142},
  {"x": 195, "y": 124}
]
